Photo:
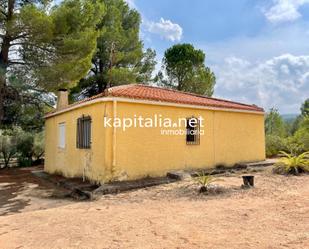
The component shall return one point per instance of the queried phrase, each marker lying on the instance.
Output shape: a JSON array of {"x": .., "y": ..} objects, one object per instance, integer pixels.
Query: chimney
[{"x": 62, "y": 100}]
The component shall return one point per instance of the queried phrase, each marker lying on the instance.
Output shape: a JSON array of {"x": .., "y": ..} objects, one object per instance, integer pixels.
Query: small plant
[
  {"x": 290, "y": 164},
  {"x": 205, "y": 181}
]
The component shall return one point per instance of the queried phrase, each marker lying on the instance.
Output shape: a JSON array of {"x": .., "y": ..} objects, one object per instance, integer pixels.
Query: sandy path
[{"x": 273, "y": 215}]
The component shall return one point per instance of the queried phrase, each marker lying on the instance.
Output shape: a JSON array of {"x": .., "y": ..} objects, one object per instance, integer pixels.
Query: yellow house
[{"x": 134, "y": 131}]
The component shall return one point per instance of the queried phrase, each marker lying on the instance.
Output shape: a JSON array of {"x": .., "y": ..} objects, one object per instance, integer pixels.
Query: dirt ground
[
  {"x": 21, "y": 191},
  {"x": 274, "y": 214}
]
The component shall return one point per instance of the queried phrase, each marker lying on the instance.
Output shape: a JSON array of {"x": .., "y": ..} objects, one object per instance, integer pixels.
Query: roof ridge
[
  {"x": 140, "y": 91},
  {"x": 195, "y": 94},
  {"x": 120, "y": 87}
]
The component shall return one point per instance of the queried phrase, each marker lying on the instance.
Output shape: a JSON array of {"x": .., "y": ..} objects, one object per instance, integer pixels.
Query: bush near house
[
  {"x": 8, "y": 148},
  {"x": 290, "y": 164},
  {"x": 289, "y": 135},
  {"x": 274, "y": 144},
  {"x": 24, "y": 146}
]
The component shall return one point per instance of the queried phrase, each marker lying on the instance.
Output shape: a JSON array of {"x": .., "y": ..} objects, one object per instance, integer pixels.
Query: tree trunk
[
  {"x": 4, "y": 57},
  {"x": 2, "y": 96},
  {"x": 5, "y": 159},
  {"x": 101, "y": 84}
]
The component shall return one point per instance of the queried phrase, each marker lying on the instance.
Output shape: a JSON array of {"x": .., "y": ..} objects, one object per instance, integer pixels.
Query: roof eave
[{"x": 151, "y": 102}]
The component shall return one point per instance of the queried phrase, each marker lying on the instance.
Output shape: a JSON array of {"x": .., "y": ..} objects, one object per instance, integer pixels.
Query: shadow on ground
[{"x": 21, "y": 191}]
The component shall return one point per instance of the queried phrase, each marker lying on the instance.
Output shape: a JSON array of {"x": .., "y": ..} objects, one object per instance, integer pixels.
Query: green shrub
[
  {"x": 22, "y": 145},
  {"x": 291, "y": 164},
  {"x": 8, "y": 146},
  {"x": 25, "y": 142},
  {"x": 293, "y": 145},
  {"x": 24, "y": 162},
  {"x": 38, "y": 146},
  {"x": 302, "y": 134},
  {"x": 274, "y": 144}
]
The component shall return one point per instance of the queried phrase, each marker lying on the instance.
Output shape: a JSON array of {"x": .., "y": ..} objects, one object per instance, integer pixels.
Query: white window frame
[{"x": 61, "y": 135}]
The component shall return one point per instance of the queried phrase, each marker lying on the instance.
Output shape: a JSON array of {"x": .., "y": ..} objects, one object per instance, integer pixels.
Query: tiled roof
[
  {"x": 167, "y": 95},
  {"x": 145, "y": 92}
]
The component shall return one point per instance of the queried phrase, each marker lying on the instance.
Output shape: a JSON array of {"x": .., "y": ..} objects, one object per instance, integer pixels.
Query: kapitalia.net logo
[{"x": 168, "y": 126}]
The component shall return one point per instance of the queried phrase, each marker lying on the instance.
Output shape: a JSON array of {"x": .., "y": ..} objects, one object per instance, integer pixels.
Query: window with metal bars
[
  {"x": 193, "y": 131},
  {"x": 83, "y": 132}
]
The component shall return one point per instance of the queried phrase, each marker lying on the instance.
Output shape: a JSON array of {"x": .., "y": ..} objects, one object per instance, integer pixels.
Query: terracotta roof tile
[
  {"x": 145, "y": 92},
  {"x": 167, "y": 95}
]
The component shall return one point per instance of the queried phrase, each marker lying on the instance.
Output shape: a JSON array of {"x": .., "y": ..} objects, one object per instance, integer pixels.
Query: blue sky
[{"x": 259, "y": 50}]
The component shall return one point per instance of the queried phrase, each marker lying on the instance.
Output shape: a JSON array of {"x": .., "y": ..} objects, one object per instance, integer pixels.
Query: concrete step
[
  {"x": 117, "y": 187},
  {"x": 265, "y": 163}
]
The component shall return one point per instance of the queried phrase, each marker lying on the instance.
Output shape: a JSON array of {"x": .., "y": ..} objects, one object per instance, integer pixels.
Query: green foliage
[
  {"x": 146, "y": 66},
  {"x": 49, "y": 48},
  {"x": 121, "y": 76},
  {"x": 276, "y": 131},
  {"x": 119, "y": 57},
  {"x": 293, "y": 145},
  {"x": 295, "y": 125},
  {"x": 201, "y": 83},
  {"x": 274, "y": 124},
  {"x": 205, "y": 180},
  {"x": 38, "y": 145},
  {"x": 293, "y": 164},
  {"x": 305, "y": 108},
  {"x": 291, "y": 137},
  {"x": 21, "y": 144},
  {"x": 25, "y": 141},
  {"x": 299, "y": 141},
  {"x": 8, "y": 146},
  {"x": 185, "y": 70},
  {"x": 302, "y": 134},
  {"x": 62, "y": 54},
  {"x": 27, "y": 109},
  {"x": 274, "y": 144}
]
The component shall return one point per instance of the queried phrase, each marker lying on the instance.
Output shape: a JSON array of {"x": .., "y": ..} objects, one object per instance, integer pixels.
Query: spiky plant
[
  {"x": 293, "y": 164},
  {"x": 205, "y": 181}
]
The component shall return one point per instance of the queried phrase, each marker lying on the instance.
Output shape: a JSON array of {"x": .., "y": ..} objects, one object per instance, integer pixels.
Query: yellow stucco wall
[
  {"x": 230, "y": 137},
  {"x": 71, "y": 161}
]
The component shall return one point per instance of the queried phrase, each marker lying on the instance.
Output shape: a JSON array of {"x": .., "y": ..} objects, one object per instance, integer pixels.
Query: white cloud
[
  {"x": 284, "y": 10},
  {"x": 248, "y": 64},
  {"x": 272, "y": 42},
  {"x": 165, "y": 28},
  {"x": 281, "y": 82}
]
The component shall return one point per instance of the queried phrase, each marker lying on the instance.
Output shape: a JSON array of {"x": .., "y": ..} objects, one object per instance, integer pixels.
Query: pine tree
[
  {"x": 49, "y": 48},
  {"x": 184, "y": 67},
  {"x": 119, "y": 58}
]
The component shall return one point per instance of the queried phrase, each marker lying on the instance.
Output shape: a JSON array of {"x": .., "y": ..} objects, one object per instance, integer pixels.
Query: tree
[
  {"x": 25, "y": 144},
  {"x": 274, "y": 124},
  {"x": 185, "y": 70},
  {"x": 274, "y": 144},
  {"x": 50, "y": 48},
  {"x": 146, "y": 66},
  {"x": 28, "y": 108},
  {"x": 305, "y": 108},
  {"x": 119, "y": 58},
  {"x": 302, "y": 134},
  {"x": 8, "y": 147},
  {"x": 295, "y": 124}
]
